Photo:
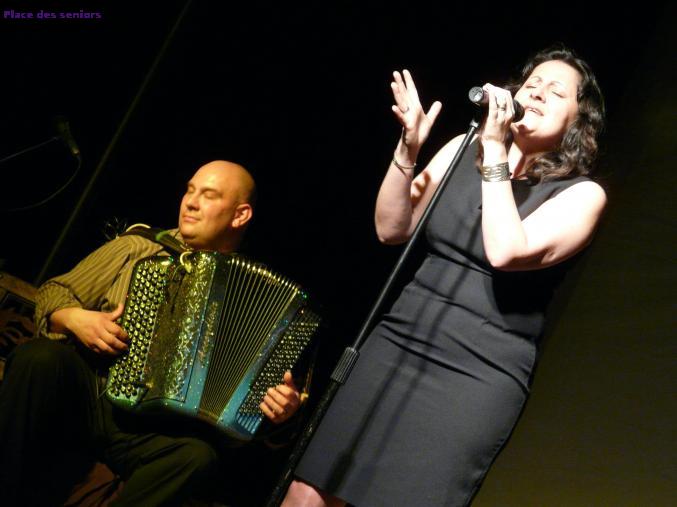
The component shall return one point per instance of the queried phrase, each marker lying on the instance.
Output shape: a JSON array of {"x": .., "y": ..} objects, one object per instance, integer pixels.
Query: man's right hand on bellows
[{"x": 97, "y": 331}]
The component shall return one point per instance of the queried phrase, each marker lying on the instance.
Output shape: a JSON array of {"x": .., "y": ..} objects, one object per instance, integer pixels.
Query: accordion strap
[{"x": 161, "y": 236}]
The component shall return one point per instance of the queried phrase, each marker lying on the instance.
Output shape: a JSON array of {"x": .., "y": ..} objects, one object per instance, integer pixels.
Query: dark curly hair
[{"x": 577, "y": 152}]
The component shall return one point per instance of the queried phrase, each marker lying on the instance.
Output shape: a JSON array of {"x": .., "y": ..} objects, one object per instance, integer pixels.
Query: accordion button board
[{"x": 209, "y": 334}]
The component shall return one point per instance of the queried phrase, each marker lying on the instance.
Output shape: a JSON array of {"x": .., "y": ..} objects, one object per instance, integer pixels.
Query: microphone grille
[{"x": 475, "y": 94}]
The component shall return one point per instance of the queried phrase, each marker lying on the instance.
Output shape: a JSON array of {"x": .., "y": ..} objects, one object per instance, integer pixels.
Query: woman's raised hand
[{"x": 416, "y": 123}]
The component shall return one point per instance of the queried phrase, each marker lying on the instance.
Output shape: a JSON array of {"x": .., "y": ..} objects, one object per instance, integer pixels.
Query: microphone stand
[
  {"x": 109, "y": 149},
  {"x": 350, "y": 354}
]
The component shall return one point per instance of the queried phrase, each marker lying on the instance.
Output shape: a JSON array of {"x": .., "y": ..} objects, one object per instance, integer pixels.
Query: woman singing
[{"x": 443, "y": 378}]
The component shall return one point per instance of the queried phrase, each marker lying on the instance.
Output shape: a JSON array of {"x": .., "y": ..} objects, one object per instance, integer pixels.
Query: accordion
[{"x": 209, "y": 334}]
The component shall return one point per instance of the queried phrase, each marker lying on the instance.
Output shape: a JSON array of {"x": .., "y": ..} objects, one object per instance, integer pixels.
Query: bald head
[
  {"x": 236, "y": 177},
  {"x": 216, "y": 207}
]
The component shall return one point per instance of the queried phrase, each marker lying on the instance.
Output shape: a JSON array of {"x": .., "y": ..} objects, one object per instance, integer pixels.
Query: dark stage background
[{"x": 300, "y": 95}]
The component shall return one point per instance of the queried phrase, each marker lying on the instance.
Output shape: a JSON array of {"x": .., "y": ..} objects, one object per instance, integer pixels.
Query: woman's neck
[{"x": 520, "y": 156}]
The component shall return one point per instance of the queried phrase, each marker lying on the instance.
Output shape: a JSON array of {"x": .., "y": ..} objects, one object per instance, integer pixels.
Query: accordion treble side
[{"x": 209, "y": 334}]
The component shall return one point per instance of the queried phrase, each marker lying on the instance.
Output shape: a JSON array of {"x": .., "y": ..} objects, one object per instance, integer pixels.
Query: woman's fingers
[
  {"x": 400, "y": 103},
  {"x": 434, "y": 111},
  {"x": 407, "y": 95},
  {"x": 500, "y": 103},
  {"x": 415, "y": 121},
  {"x": 400, "y": 93},
  {"x": 411, "y": 87}
]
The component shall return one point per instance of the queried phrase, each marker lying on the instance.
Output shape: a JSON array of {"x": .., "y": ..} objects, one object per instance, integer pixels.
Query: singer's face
[
  {"x": 212, "y": 207},
  {"x": 550, "y": 104}
]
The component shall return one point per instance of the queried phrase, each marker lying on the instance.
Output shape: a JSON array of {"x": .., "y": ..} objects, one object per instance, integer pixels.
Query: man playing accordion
[{"x": 53, "y": 415}]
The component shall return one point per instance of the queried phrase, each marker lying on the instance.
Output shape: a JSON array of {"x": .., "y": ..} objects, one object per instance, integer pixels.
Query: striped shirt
[{"x": 99, "y": 282}]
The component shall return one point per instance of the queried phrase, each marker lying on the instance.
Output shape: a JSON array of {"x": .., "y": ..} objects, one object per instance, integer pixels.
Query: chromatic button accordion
[{"x": 209, "y": 334}]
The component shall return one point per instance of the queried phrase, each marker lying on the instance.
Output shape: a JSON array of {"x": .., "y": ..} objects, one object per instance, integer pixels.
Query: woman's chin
[{"x": 523, "y": 128}]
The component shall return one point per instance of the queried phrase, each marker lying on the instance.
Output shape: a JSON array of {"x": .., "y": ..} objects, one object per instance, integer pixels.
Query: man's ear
[{"x": 243, "y": 214}]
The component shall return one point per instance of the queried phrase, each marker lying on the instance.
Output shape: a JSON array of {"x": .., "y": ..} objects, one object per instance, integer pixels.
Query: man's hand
[
  {"x": 97, "y": 331},
  {"x": 282, "y": 401}
]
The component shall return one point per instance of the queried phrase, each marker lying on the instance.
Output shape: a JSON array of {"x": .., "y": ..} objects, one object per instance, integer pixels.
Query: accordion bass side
[{"x": 209, "y": 334}]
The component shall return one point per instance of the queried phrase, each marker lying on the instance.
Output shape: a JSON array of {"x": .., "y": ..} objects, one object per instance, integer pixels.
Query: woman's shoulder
[
  {"x": 581, "y": 189},
  {"x": 580, "y": 182}
]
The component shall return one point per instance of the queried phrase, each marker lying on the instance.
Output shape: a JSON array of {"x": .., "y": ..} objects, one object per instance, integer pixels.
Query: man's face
[{"x": 210, "y": 210}]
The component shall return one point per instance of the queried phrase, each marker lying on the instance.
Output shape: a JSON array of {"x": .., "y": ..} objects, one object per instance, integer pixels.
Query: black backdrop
[{"x": 299, "y": 94}]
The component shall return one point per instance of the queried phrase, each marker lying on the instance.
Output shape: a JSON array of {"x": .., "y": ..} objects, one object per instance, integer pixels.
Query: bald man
[
  {"x": 216, "y": 207},
  {"x": 54, "y": 389}
]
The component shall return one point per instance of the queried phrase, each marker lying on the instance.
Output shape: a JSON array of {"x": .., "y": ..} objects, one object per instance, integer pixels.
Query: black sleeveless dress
[{"x": 442, "y": 380}]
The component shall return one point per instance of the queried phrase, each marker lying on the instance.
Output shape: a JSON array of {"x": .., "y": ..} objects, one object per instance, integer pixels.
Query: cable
[{"x": 50, "y": 197}]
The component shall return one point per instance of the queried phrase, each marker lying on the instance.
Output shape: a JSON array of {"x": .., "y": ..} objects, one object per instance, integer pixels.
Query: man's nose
[{"x": 192, "y": 201}]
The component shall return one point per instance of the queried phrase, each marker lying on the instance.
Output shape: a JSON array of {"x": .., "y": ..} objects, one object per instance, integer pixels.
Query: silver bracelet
[
  {"x": 496, "y": 172},
  {"x": 403, "y": 167}
]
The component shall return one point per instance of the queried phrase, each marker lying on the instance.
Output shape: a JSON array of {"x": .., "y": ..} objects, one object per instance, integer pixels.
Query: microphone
[
  {"x": 64, "y": 131},
  {"x": 480, "y": 98}
]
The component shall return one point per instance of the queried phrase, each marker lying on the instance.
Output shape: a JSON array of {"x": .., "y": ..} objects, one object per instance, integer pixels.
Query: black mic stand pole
[
  {"x": 350, "y": 354},
  {"x": 111, "y": 146}
]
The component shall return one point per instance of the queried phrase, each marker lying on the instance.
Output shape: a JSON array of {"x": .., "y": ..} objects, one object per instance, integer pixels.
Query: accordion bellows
[{"x": 209, "y": 334}]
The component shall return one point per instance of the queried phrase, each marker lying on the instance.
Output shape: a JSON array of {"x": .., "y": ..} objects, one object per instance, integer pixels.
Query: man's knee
[
  {"x": 198, "y": 456},
  {"x": 46, "y": 376},
  {"x": 42, "y": 355}
]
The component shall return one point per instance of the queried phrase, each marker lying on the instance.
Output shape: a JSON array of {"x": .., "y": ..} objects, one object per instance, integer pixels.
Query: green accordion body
[{"x": 209, "y": 334}]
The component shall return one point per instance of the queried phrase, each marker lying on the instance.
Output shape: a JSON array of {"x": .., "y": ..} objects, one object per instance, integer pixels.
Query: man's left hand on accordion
[{"x": 282, "y": 401}]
